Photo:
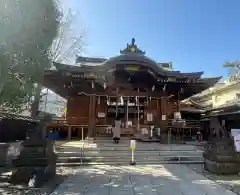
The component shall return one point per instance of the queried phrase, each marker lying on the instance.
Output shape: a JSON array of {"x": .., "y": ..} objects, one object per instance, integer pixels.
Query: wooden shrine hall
[{"x": 144, "y": 92}]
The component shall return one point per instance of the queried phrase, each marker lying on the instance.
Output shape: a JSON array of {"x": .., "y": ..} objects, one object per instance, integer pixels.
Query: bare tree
[
  {"x": 70, "y": 40},
  {"x": 66, "y": 46}
]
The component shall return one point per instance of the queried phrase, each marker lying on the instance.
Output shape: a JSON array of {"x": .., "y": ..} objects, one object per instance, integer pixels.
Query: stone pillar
[
  {"x": 36, "y": 162},
  {"x": 126, "y": 112}
]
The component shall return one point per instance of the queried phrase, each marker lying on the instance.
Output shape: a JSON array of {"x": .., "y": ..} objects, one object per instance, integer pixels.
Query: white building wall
[
  {"x": 219, "y": 95},
  {"x": 53, "y": 104},
  {"x": 229, "y": 94}
]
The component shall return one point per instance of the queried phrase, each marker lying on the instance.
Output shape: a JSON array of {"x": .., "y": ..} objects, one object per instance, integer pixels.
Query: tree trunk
[{"x": 35, "y": 104}]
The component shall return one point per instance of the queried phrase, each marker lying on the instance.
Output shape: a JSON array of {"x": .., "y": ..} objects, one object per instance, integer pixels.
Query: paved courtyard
[{"x": 139, "y": 180}]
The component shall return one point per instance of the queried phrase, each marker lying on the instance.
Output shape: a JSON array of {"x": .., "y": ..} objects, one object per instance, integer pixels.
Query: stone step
[
  {"x": 126, "y": 150},
  {"x": 127, "y": 163},
  {"x": 128, "y": 158},
  {"x": 119, "y": 146},
  {"x": 110, "y": 138},
  {"x": 137, "y": 153},
  {"x": 141, "y": 146},
  {"x": 126, "y": 153}
]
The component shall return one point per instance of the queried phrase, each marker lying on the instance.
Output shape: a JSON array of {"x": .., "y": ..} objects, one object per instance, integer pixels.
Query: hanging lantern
[
  {"x": 121, "y": 100},
  {"x": 99, "y": 100},
  {"x": 105, "y": 85},
  {"x": 136, "y": 99},
  {"x": 153, "y": 88},
  {"x": 92, "y": 85},
  {"x": 164, "y": 88}
]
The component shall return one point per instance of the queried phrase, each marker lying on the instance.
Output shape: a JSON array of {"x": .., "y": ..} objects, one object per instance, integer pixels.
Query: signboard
[
  {"x": 101, "y": 115},
  {"x": 144, "y": 131},
  {"x": 177, "y": 115},
  {"x": 163, "y": 117},
  {"x": 237, "y": 142},
  {"x": 235, "y": 132},
  {"x": 129, "y": 123},
  {"x": 149, "y": 117},
  {"x": 132, "y": 68},
  {"x": 132, "y": 144}
]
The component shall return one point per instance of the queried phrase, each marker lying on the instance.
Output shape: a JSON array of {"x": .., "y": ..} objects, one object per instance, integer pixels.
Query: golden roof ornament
[{"x": 132, "y": 48}]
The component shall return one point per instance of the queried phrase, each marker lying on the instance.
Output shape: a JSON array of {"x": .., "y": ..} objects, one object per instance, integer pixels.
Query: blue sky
[{"x": 196, "y": 35}]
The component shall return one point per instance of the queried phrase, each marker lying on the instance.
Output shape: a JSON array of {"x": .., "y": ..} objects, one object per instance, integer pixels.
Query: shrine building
[{"x": 145, "y": 93}]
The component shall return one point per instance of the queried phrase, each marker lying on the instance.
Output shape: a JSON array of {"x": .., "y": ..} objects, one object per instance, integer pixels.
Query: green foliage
[{"x": 27, "y": 31}]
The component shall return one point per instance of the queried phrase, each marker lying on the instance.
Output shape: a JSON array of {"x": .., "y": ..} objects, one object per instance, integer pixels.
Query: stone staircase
[{"x": 104, "y": 151}]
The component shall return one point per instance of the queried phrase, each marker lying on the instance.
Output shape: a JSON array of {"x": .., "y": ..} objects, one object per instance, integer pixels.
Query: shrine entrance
[
  {"x": 146, "y": 93},
  {"x": 136, "y": 113},
  {"x": 130, "y": 110}
]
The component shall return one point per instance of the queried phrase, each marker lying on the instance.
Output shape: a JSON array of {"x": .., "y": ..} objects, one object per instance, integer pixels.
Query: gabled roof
[
  {"x": 7, "y": 115},
  {"x": 133, "y": 67},
  {"x": 192, "y": 109},
  {"x": 111, "y": 64},
  {"x": 226, "y": 109}
]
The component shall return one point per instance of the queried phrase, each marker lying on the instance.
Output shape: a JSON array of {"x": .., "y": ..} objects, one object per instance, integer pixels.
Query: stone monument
[
  {"x": 36, "y": 162},
  {"x": 220, "y": 156}
]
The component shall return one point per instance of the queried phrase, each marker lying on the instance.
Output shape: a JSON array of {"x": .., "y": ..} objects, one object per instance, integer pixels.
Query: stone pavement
[{"x": 139, "y": 180}]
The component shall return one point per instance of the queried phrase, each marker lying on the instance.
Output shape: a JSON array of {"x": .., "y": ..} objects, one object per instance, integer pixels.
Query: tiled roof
[{"x": 6, "y": 115}]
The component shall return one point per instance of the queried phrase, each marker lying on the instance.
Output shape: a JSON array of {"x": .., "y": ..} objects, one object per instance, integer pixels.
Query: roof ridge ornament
[{"x": 132, "y": 48}]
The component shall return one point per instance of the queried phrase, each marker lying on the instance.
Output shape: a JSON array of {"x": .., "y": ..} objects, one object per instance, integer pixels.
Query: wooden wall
[
  {"x": 159, "y": 107},
  {"x": 78, "y": 110},
  {"x": 101, "y": 107},
  {"x": 152, "y": 106}
]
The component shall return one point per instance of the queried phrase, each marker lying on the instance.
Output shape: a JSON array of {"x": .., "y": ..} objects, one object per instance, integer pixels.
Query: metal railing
[
  {"x": 103, "y": 131},
  {"x": 70, "y": 121},
  {"x": 186, "y": 124},
  {"x": 115, "y": 155},
  {"x": 84, "y": 121}
]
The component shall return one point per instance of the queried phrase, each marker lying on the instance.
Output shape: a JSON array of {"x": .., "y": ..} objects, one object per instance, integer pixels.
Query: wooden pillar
[
  {"x": 105, "y": 109},
  {"x": 162, "y": 106},
  {"x": 92, "y": 115},
  {"x": 126, "y": 112},
  {"x": 178, "y": 103},
  {"x": 69, "y": 132},
  {"x": 164, "y": 111}
]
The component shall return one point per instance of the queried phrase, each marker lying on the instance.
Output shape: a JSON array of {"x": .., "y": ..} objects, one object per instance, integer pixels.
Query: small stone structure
[
  {"x": 36, "y": 162},
  {"x": 3, "y": 153},
  {"x": 13, "y": 130},
  {"x": 220, "y": 156}
]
